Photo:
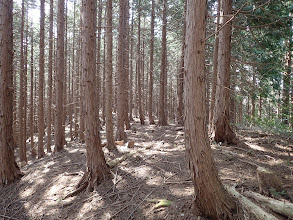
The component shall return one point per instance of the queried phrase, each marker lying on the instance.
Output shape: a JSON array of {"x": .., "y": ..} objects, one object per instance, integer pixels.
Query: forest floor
[{"x": 156, "y": 168}]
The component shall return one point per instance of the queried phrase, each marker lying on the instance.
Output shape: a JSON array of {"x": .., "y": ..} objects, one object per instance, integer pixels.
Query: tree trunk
[
  {"x": 9, "y": 171},
  {"x": 131, "y": 72},
  {"x": 286, "y": 89},
  {"x": 31, "y": 115},
  {"x": 122, "y": 73},
  {"x": 138, "y": 68},
  {"x": 151, "y": 119},
  {"x": 59, "y": 129},
  {"x": 163, "y": 77},
  {"x": 180, "y": 78},
  {"x": 50, "y": 74},
  {"x": 109, "y": 83},
  {"x": 211, "y": 198},
  {"x": 41, "y": 123},
  {"x": 97, "y": 169},
  {"x": 77, "y": 88},
  {"x": 215, "y": 68},
  {"x": 22, "y": 125},
  {"x": 222, "y": 131}
]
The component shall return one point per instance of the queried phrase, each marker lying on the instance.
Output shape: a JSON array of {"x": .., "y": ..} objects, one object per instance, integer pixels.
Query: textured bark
[
  {"x": 286, "y": 88},
  {"x": 99, "y": 69},
  {"x": 9, "y": 171},
  {"x": 109, "y": 83},
  {"x": 215, "y": 68},
  {"x": 59, "y": 128},
  {"x": 131, "y": 72},
  {"x": 222, "y": 131},
  {"x": 71, "y": 105},
  {"x": 41, "y": 123},
  {"x": 97, "y": 169},
  {"x": 180, "y": 79},
  {"x": 77, "y": 88},
  {"x": 122, "y": 73},
  {"x": 50, "y": 74},
  {"x": 22, "y": 125},
  {"x": 163, "y": 77},
  {"x": 211, "y": 198},
  {"x": 138, "y": 68},
  {"x": 31, "y": 114}
]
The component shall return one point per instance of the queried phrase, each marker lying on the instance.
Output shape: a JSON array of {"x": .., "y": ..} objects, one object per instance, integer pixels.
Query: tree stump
[
  {"x": 130, "y": 144},
  {"x": 268, "y": 182}
]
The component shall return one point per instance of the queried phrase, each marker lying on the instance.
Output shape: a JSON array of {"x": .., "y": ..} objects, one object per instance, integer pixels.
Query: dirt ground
[{"x": 156, "y": 168}]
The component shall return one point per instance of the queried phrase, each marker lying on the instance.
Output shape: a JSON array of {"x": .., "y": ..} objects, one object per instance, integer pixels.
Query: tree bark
[
  {"x": 31, "y": 115},
  {"x": 59, "y": 127},
  {"x": 211, "y": 198},
  {"x": 109, "y": 83},
  {"x": 9, "y": 171},
  {"x": 50, "y": 74},
  {"x": 138, "y": 68},
  {"x": 122, "y": 73},
  {"x": 41, "y": 123},
  {"x": 163, "y": 77},
  {"x": 222, "y": 131},
  {"x": 151, "y": 118},
  {"x": 180, "y": 78},
  {"x": 97, "y": 169},
  {"x": 215, "y": 68},
  {"x": 22, "y": 125}
]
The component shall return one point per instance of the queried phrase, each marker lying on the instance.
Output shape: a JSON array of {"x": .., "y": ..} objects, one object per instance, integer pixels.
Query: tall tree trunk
[
  {"x": 109, "y": 83},
  {"x": 222, "y": 131},
  {"x": 99, "y": 72},
  {"x": 286, "y": 88},
  {"x": 50, "y": 74},
  {"x": 211, "y": 198},
  {"x": 215, "y": 68},
  {"x": 22, "y": 138},
  {"x": 163, "y": 77},
  {"x": 77, "y": 88},
  {"x": 41, "y": 123},
  {"x": 180, "y": 79},
  {"x": 31, "y": 116},
  {"x": 97, "y": 169},
  {"x": 138, "y": 68},
  {"x": 131, "y": 72},
  {"x": 122, "y": 73},
  {"x": 59, "y": 129},
  {"x": 9, "y": 171}
]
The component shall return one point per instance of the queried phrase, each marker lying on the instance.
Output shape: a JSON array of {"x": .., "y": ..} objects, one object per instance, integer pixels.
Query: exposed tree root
[
  {"x": 281, "y": 207},
  {"x": 257, "y": 211}
]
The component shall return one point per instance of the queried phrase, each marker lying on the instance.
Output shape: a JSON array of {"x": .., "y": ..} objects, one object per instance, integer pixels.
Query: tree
[
  {"x": 151, "y": 119},
  {"x": 50, "y": 73},
  {"x": 59, "y": 129},
  {"x": 41, "y": 123},
  {"x": 31, "y": 115},
  {"x": 215, "y": 68},
  {"x": 180, "y": 80},
  {"x": 122, "y": 75},
  {"x": 163, "y": 77},
  {"x": 9, "y": 171},
  {"x": 97, "y": 169},
  {"x": 138, "y": 67},
  {"x": 222, "y": 131},
  {"x": 22, "y": 125},
  {"x": 109, "y": 86},
  {"x": 211, "y": 198}
]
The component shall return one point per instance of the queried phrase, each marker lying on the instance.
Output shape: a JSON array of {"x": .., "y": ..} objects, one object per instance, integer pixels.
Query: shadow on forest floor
[{"x": 158, "y": 170}]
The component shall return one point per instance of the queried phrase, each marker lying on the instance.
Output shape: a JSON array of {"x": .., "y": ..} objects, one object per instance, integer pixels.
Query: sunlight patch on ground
[{"x": 256, "y": 147}]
